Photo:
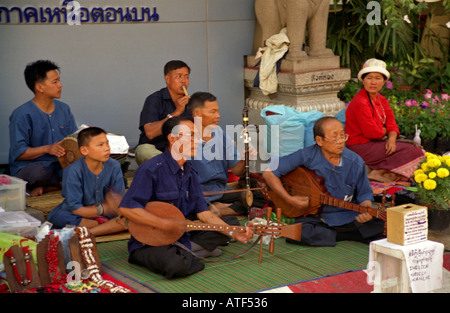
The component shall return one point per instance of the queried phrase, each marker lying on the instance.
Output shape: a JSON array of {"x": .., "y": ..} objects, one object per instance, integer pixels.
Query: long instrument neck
[
  {"x": 191, "y": 226},
  {"x": 329, "y": 200},
  {"x": 247, "y": 146}
]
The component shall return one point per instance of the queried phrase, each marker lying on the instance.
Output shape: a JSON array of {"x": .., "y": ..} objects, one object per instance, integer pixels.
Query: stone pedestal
[{"x": 309, "y": 84}]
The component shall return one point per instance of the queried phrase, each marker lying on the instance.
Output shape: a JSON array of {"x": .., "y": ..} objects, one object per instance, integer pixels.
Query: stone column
[
  {"x": 305, "y": 85},
  {"x": 310, "y": 75}
]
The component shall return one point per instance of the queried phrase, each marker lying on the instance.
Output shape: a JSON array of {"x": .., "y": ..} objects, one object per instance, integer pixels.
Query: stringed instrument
[
  {"x": 246, "y": 197},
  {"x": 305, "y": 182},
  {"x": 174, "y": 225}
]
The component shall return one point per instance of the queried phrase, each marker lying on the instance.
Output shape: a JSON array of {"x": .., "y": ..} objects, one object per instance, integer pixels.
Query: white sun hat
[{"x": 374, "y": 65}]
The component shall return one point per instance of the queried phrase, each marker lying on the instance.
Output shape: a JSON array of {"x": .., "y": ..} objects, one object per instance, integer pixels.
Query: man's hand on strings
[
  {"x": 299, "y": 202},
  {"x": 244, "y": 237}
]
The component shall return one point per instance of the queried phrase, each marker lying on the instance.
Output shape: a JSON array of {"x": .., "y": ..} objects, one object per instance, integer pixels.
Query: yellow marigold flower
[
  {"x": 420, "y": 177},
  {"x": 431, "y": 156},
  {"x": 424, "y": 167},
  {"x": 433, "y": 163},
  {"x": 432, "y": 174},
  {"x": 428, "y": 153},
  {"x": 442, "y": 172},
  {"x": 429, "y": 184},
  {"x": 448, "y": 162},
  {"x": 419, "y": 171}
]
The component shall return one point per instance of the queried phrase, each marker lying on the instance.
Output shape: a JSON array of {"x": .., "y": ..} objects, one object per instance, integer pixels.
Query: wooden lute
[
  {"x": 174, "y": 225},
  {"x": 305, "y": 182}
]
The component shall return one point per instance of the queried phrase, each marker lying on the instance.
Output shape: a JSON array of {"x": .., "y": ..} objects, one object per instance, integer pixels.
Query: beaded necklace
[
  {"x": 27, "y": 257},
  {"x": 382, "y": 119},
  {"x": 51, "y": 256},
  {"x": 88, "y": 257}
]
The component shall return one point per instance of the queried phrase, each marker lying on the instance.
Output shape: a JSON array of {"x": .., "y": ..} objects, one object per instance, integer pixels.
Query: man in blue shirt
[
  {"x": 37, "y": 127},
  {"x": 345, "y": 177},
  {"x": 92, "y": 187},
  {"x": 216, "y": 154},
  {"x": 161, "y": 105},
  {"x": 169, "y": 178}
]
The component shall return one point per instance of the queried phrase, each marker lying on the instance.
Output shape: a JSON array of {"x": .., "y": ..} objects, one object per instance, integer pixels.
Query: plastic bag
[
  {"x": 309, "y": 132},
  {"x": 341, "y": 116},
  {"x": 292, "y": 128}
]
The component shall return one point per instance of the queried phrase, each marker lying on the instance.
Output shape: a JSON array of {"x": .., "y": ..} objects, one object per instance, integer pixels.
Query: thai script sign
[{"x": 71, "y": 12}]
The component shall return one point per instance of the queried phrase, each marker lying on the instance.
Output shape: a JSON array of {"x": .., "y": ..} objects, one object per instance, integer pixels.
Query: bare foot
[
  {"x": 214, "y": 209},
  {"x": 378, "y": 175},
  {"x": 390, "y": 176},
  {"x": 222, "y": 209},
  {"x": 38, "y": 191}
]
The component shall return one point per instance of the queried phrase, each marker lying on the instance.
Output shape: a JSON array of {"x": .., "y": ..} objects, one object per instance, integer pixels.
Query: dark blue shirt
[
  {"x": 348, "y": 181},
  {"x": 156, "y": 107},
  {"x": 212, "y": 161},
  {"x": 30, "y": 127},
  {"x": 162, "y": 179}
]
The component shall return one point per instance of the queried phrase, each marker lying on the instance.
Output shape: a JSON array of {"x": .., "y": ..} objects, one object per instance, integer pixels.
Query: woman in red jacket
[{"x": 373, "y": 132}]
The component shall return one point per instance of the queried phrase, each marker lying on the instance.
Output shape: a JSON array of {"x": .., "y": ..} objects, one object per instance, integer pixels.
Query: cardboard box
[
  {"x": 407, "y": 224},
  {"x": 12, "y": 193}
]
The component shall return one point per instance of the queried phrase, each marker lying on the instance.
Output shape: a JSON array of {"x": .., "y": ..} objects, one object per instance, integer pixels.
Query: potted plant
[{"x": 433, "y": 188}]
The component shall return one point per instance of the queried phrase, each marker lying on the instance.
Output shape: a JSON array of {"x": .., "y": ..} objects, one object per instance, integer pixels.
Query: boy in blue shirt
[
  {"x": 37, "y": 127},
  {"x": 92, "y": 187}
]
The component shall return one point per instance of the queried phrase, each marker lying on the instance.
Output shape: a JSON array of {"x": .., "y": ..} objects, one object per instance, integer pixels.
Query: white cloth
[
  {"x": 276, "y": 47},
  {"x": 118, "y": 144},
  {"x": 424, "y": 263}
]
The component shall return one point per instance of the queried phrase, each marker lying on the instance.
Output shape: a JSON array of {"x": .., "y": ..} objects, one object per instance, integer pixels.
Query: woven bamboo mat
[
  {"x": 113, "y": 237},
  {"x": 289, "y": 264},
  {"x": 50, "y": 200},
  {"x": 46, "y": 202}
]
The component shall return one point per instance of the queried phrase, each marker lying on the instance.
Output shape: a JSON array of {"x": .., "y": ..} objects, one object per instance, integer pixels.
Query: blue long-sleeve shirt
[
  {"x": 347, "y": 181},
  {"x": 212, "y": 161},
  {"x": 162, "y": 179},
  {"x": 81, "y": 187},
  {"x": 30, "y": 127}
]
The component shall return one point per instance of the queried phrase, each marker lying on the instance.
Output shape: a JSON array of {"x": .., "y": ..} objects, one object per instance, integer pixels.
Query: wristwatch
[{"x": 169, "y": 115}]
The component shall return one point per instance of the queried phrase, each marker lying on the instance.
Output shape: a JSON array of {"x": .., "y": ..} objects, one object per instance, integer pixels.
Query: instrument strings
[{"x": 329, "y": 200}]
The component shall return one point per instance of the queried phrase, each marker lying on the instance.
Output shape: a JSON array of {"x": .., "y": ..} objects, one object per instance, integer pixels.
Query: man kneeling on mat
[{"x": 169, "y": 178}]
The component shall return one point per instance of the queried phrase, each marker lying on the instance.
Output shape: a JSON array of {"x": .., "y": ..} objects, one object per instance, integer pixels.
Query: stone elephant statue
[{"x": 299, "y": 17}]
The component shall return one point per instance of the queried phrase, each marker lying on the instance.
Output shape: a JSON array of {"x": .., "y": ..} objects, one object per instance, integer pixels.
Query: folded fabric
[{"x": 276, "y": 47}]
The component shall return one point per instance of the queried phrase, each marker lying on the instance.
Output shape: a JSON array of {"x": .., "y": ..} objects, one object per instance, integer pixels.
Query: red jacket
[{"x": 363, "y": 123}]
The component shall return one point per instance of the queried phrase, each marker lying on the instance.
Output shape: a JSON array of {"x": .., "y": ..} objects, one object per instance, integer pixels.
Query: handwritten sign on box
[{"x": 407, "y": 224}]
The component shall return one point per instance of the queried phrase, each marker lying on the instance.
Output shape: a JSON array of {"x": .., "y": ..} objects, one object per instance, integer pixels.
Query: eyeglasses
[{"x": 337, "y": 139}]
